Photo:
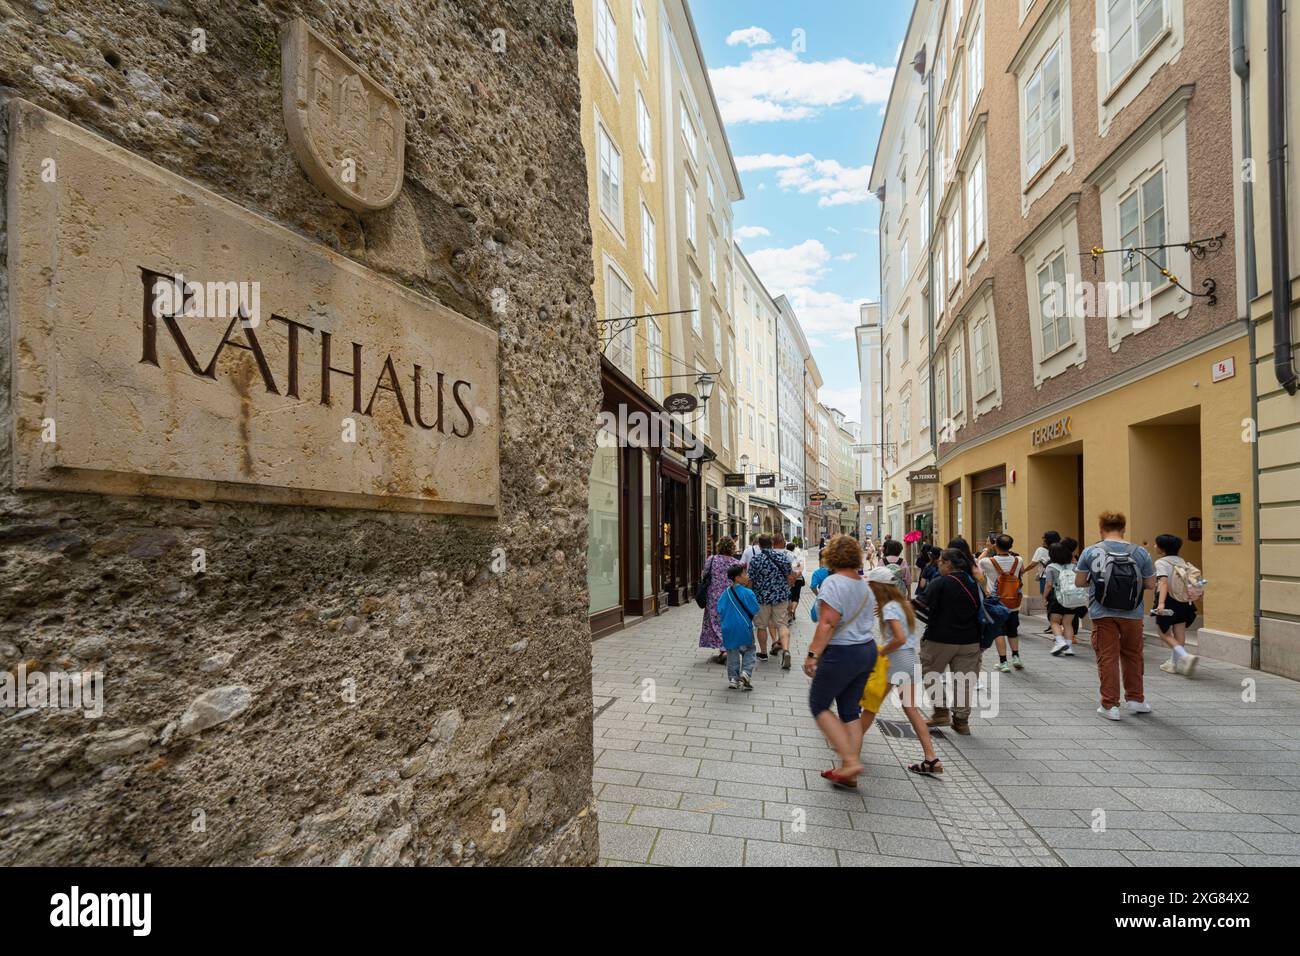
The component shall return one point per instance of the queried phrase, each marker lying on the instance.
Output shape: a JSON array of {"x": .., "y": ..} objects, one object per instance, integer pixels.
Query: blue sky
[{"x": 803, "y": 112}]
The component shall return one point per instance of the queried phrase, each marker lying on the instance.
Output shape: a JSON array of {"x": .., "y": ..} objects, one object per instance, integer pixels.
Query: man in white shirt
[
  {"x": 1039, "y": 562},
  {"x": 1002, "y": 561}
]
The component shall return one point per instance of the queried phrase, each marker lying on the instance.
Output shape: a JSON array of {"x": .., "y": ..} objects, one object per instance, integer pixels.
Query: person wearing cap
[{"x": 899, "y": 638}]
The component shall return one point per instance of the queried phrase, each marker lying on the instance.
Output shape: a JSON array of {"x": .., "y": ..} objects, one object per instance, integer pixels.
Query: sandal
[
  {"x": 840, "y": 780},
  {"x": 927, "y": 767}
]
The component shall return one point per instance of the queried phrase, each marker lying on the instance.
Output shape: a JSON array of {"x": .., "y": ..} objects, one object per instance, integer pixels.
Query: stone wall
[{"x": 338, "y": 686}]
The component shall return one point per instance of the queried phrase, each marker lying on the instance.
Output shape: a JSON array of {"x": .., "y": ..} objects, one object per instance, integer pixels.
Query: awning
[
  {"x": 761, "y": 501},
  {"x": 793, "y": 517}
]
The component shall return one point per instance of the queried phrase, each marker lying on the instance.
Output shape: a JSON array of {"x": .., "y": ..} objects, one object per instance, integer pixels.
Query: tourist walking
[
  {"x": 1002, "y": 571},
  {"x": 951, "y": 641},
  {"x": 815, "y": 583},
  {"x": 1065, "y": 600},
  {"x": 1118, "y": 572},
  {"x": 1178, "y": 586},
  {"x": 1038, "y": 565},
  {"x": 899, "y": 639},
  {"x": 796, "y": 567},
  {"x": 897, "y": 564},
  {"x": 770, "y": 573},
  {"x": 841, "y": 656},
  {"x": 715, "y": 573},
  {"x": 736, "y": 609},
  {"x": 927, "y": 566}
]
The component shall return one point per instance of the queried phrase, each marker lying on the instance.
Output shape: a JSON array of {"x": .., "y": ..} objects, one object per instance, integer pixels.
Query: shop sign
[
  {"x": 680, "y": 403},
  {"x": 766, "y": 481},
  {"x": 1227, "y": 518},
  {"x": 1051, "y": 432},
  {"x": 927, "y": 476},
  {"x": 734, "y": 481},
  {"x": 817, "y": 496},
  {"x": 1225, "y": 369}
]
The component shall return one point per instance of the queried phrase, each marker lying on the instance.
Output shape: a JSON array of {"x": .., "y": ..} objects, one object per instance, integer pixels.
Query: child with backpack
[
  {"x": 1066, "y": 601},
  {"x": 1179, "y": 585},
  {"x": 736, "y": 609},
  {"x": 1002, "y": 572},
  {"x": 1118, "y": 572}
]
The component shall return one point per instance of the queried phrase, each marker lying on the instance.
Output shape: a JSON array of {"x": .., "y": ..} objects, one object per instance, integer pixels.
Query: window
[
  {"x": 958, "y": 399},
  {"x": 726, "y": 419},
  {"x": 610, "y": 177},
  {"x": 940, "y": 158},
  {"x": 941, "y": 391},
  {"x": 1142, "y": 223},
  {"x": 747, "y": 337},
  {"x": 955, "y": 113},
  {"x": 639, "y": 32},
  {"x": 1132, "y": 26},
  {"x": 696, "y": 319},
  {"x": 940, "y": 70},
  {"x": 906, "y": 336},
  {"x": 618, "y": 305},
  {"x": 690, "y": 216},
  {"x": 644, "y": 134},
  {"x": 708, "y": 178},
  {"x": 954, "y": 251},
  {"x": 717, "y": 340},
  {"x": 884, "y": 371},
  {"x": 982, "y": 356},
  {"x": 731, "y": 358},
  {"x": 713, "y": 263},
  {"x": 975, "y": 63},
  {"x": 903, "y": 272},
  {"x": 925, "y": 396},
  {"x": 749, "y": 379},
  {"x": 751, "y": 422},
  {"x": 654, "y": 359},
  {"x": 940, "y": 300},
  {"x": 688, "y": 132},
  {"x": 726, "y": 285},
  {"x": 1043, "y": 111},
  {"x": 607, "y": 39},
  {"x": 1053, "y": 306},
  {"x": 762, "y": 430},
  {"x": 648, "y": 251},
  {"x": 975, "y": 206},
  {"x": 905, "y": 422}
]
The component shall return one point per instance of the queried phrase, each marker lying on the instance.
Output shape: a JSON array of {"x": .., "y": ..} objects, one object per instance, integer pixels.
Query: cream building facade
[{"x": 756, "y": 389}]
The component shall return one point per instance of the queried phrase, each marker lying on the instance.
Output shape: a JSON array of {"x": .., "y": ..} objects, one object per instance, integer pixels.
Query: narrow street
[{"x": 709, "y": 776}]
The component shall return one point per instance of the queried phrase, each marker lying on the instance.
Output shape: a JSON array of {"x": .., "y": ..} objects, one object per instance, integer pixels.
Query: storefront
[
  {"x": 1160, "y": 448},
  {"x": 642, "y": 506}
]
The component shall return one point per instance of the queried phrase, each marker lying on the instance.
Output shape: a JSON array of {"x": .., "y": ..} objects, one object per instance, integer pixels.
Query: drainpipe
[
  {"x": 1283, "y": 366},
  {"x": 1241, "y": 67}
]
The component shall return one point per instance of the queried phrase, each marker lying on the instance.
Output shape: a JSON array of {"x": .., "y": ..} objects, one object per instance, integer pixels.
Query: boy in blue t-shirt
[{"x": 736, "y": 609}]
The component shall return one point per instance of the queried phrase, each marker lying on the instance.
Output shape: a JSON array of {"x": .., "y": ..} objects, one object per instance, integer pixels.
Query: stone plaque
[
  {"x": 167, "y": 341},
  {"x": 347, "y": 131}
]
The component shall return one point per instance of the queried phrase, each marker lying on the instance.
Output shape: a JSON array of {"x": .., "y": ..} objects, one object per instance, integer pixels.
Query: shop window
[{"x": 603, "y": 525}]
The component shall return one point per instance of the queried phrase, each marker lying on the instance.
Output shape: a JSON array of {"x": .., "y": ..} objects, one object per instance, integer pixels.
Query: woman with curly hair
[
  {"x": 841, "y": 656},
  {"x": 715, "y": 570}
]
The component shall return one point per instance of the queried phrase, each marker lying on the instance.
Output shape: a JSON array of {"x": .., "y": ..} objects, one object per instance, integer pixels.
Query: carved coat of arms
[{"x": 346, "y": 130}]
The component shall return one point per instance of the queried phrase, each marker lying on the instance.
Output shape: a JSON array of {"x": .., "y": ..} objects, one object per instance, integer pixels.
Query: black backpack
[
  {"x": 702, "y": 589},
  {"x": 1116, "y": 580}
]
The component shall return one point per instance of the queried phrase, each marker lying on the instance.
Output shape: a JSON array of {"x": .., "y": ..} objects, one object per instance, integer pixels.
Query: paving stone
[
  {"x": 763, "y": 853},
  {"x": 669, "y": 819},
  {"x": 1163, "y": 858},
  {"x": 677, "y": 848},
  {"x": 663, "y": 781},
  {"x": 731, "y": 806},
  {"x": 612, "y": 812},
  {"x": 619, "y": 841},
  {"x": 747, "y": 827}
]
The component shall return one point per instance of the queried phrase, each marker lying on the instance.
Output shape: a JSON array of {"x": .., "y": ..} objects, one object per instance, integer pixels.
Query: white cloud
[
  {"x": 751, "y": 232},
  {"x": 795, "y": 271},
  {"x": 847, "y": 257},
  {"x": 847, "y": 399},
  {"x": 833, "y": 230},
  {"x": 752, "y": 37},
  {"x": 776, "y": 85},
  {"x": 786, "y": 269},
  {"x": 825, "y": 316},
  {"x": 834, "y": 184}
]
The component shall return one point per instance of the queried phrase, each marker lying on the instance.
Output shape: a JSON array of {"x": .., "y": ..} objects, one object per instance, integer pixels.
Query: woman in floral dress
[{"x": 715, "y": 570}]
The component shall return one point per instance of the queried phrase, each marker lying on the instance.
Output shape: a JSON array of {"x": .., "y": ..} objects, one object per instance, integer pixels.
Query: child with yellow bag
[{"x": 898, "y": 663}]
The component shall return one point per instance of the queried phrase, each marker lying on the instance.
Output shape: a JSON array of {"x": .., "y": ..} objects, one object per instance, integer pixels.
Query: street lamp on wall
[{"x": 704, "y": 385}]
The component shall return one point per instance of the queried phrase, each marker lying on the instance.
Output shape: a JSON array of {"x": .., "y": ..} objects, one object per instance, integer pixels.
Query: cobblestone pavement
[{"x": 704, "y": 775}]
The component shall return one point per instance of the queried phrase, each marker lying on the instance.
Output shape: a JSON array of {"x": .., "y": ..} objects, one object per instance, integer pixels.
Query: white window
[
  {"x": 747, "y": 348},
  {"x": 749, "y": 379},
  {"x": 644, "y": 134},
  {"x": 726, "y": 420},
  {"x": 688, "y": 132},
  {"x": 697, "y": 321},
  {"x": 940, "y": 159},
  {"x": 648, "y": 243},
  {"x": 731, "y": 358},
  {"x": 1131, "y": 26},
  {"x": 982, "y": 356},
  {"x": 713, "y": 263},
  {"x": 941, "y": 390},
  {"x": 1142, "y": 223},
  {"x": 709, "y": 185},
  {"x": 975, "y": 206},
  {"x": 654, "y": 358},
  {"x": 726, "y": 285},
  {"x": 975, "y": 62},
  {"x": 607, "y": 39},
  {"x": 1043, "y": 111},
  {"x": 762, "y": 430},
  {"x": 751, "y": 423},
  {"x": 717, "y": 341},
  {"x": 1053, "y": 308},
  {"x": 610, "y": 178},
  {"x": 618, "y": 305},
  {"x": 940, "y": 70},
  {"x": 955, "y": 113},
  {"x": 906, "y": 336},
  {"x": 925, "y": 396},
  {"x": 690, "y": 216},
  {"x": 958, "y": 392},
  {"x": 903, "y": 272},
  {"x": 905, "y": 422},
  {"x": 954, "y": 250},
  {"x": 940, "y": 300},
  {"x": 639, "y": 29}
]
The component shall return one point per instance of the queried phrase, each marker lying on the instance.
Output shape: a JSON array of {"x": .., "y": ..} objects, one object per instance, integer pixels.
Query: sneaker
[
  {"x": 1110, "y": 713},
  {"x": 785, "y": 660},
  {"x": 761, "y": 657},
  {"x": 1059, "y": 648},
  {"x": 733, "y": 684},
  {"x": 1004, "y": 667},
  {"x": 1069, "y": 650},
  {"x": 745, "y": 682},
  {"x": 941, "y": 718},
  {"x": 1186, "y": 664},
  {"x": 1137, "y": 707},
  {"x": 1017, "y": 663},
  {"x": 1168, "y": 667},
  {"x": 961, "y": 726}
]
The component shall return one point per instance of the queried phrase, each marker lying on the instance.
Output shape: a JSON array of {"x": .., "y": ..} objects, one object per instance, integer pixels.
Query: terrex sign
[{"x": 1052, "y": 431}]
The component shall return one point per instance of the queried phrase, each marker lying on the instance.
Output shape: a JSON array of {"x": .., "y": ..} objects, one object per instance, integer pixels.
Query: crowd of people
[{"x": 885, "y": 623}]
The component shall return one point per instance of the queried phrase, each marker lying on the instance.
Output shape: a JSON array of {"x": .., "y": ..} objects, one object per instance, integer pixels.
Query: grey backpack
[{"x": 1116, "y": 579}]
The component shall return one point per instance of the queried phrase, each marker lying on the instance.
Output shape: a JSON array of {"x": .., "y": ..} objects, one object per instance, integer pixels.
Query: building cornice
[
  {"x": 1052, "y": 218},
  {"x": 1177, "y": 101},
  {"x": 1045, "y": 19}
]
